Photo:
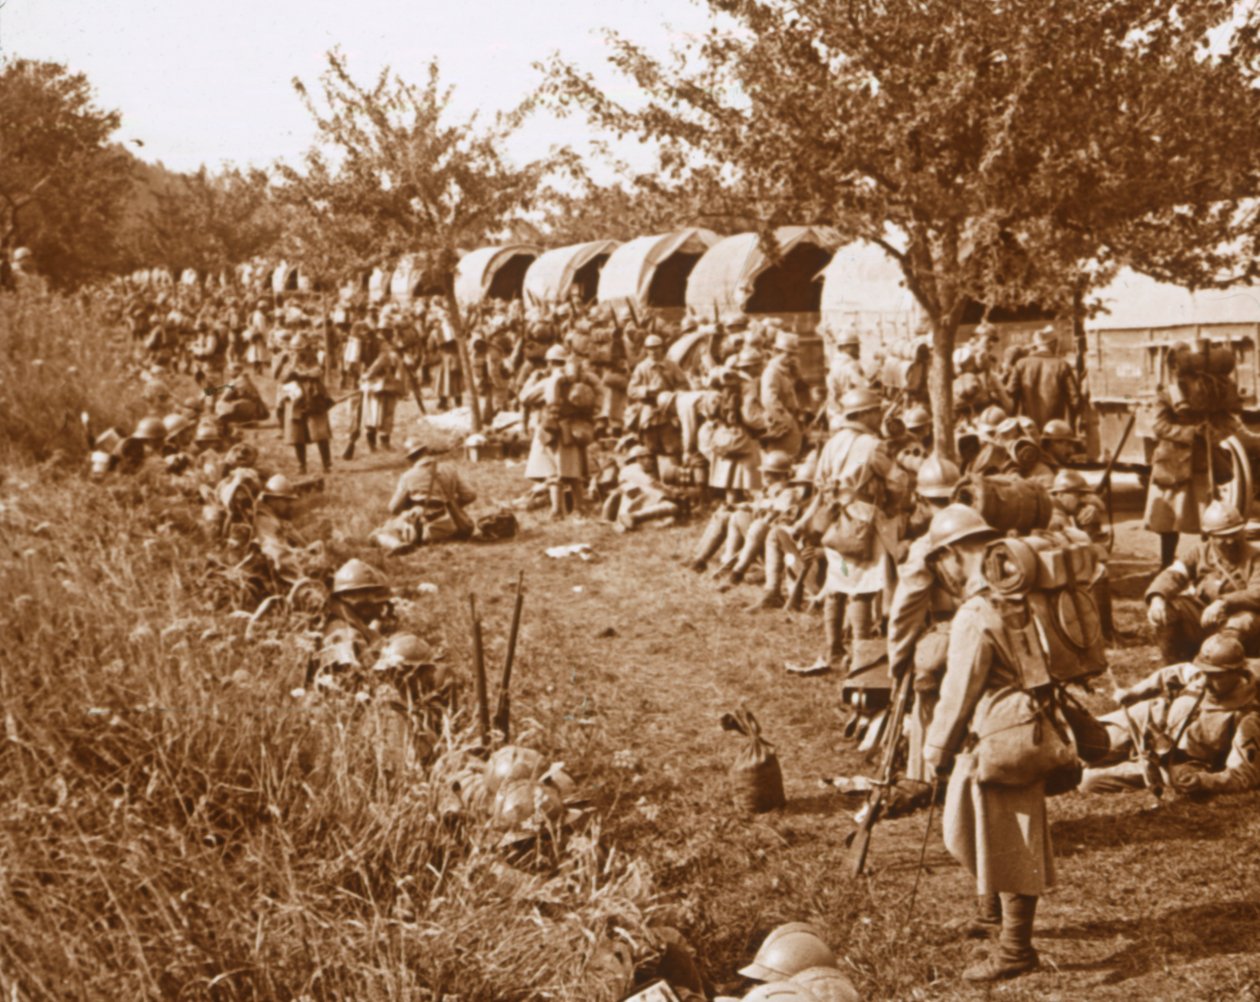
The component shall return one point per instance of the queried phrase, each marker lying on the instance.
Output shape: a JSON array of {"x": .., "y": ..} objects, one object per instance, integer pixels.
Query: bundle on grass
[
  {"x": 755, "y": 773},
  {"x": 174, "y": 823}
]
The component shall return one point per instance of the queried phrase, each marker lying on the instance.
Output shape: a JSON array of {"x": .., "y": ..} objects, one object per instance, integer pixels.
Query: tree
[
  {"x": 1003, "y": 153},
  {"x": 390, "y": 163},
  {"x": 61, "y": 183}
]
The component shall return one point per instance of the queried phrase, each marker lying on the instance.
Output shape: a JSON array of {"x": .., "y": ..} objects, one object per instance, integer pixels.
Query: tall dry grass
[{"x": 175, "y": 824}]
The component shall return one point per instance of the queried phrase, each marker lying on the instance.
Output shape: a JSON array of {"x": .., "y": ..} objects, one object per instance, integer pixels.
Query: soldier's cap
[
  {"x": 1221, "y": 652},
  {"x": 653, "y": 341},
  {"x": 414, "y": 449}
]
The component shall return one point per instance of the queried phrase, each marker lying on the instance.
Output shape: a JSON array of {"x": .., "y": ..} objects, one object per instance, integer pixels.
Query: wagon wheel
[{"x": 308, "y": 595}]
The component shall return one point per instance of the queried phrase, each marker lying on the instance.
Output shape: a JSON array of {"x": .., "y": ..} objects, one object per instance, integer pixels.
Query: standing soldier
[
  {"x": 999, "y": 832},
  {"x": 567, "y": 396},
  {"x": 844, "y": 375},
  {"x": 779, "y": 403},
  {"x": 652, "y": 385},
  {"x": 857, "y": 484},
  {"x": 1042, "y": 383},
  {"x": 306, "y": 416},
  {"x": 383, "y": 384}
]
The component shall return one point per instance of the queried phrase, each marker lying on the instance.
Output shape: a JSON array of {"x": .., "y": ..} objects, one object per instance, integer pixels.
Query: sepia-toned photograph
[{"x": 655, "y": 501}]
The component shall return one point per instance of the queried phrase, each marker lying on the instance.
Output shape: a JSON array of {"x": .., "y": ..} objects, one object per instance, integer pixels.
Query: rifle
[
  {"x": 1105, "y": 482},
  {"x": 503, "y": 711},
  {"x": 875, "y": 800},
  {"x": 479, "y": 675}
]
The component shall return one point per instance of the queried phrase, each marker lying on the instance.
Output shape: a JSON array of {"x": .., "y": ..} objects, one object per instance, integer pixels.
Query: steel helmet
[
  {"x": 954, "y": 523},
  {"x": 1057, "y": 430},
  {"x": 776, "y": 461},
  {"x": 556, "y": 353},
  {"x": 786, "y": 341},
  {"x": 356, "y": 576},
  {"x": 1221, "y": 652},
  {"x": 653, "y": 341},
  {"x": 788, "y": 950},
  {"x": 512, "y": 762},
  {"x": 937, "y": 477},
  {"x": 413, "y": 449},
  {"x": 1068, "y": 482},
  {"x": 208, "y": 430},
  {"x": 1221, "y": 519},
  {"x": 526, "y": 801},
  {"x": 806, "y": 470},
  {"x": 748, "y": 357},
  {"x": 175, "y": 424},
  {"x": 848, "y": 339},
  {"x": 150, "y": 429},
  {"x": 826, "y": 984},
  {"x": 404, "y": 649},
  {"x": 1046, "y": 338},
  {"x": 991, "y": 417},
  {"x": 279, "y": 487},
  {"x": 860, "y": 400},
  {"x": 640, "y": 452},
  {"x": 780, "y": 991},
  {"x": 21, "y": 254},
  {"x": 917, "y": 417}
]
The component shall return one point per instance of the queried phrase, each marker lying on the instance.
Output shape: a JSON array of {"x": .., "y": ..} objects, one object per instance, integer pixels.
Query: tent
[
  {"x": 551, "y": 276},
  {"x": 736, "y": 275},
  {"x": 493, "y": 272},
  {"x": 863, "y": 288},
  {"x": 288, "y": 278},
  {"x": 412, "y": 278},
  {"x": 651, "y": 272}
]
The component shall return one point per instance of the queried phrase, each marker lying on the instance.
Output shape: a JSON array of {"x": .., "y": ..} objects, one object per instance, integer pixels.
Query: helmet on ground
[
  {"x": 1221, "y": 519},
  {"x": 826, "y": 984},
  {"x": 788, "y": 950},
  {"x": 556, "y": 353},
  {"x": 150, "y": 429},
  {"x": 937, "y": 477},
  {"x": 1057, "y": 430},
  {"x": 786, "y": 341},
  {"x": 780, "y": 991},
  {"x": 776, "y": 461},
  {"x": 512, "y": 762},
  {"x": 356, "y": 576},
  {"x": 208, "y": 430},
  {"x": 404, "y": 649},
  {"x": 954, "y": 523},
  {"x": 1221, "y": 652},
  {"x": 848, "y": 339},
  {"x": 860, "y": 400},
  {"x": 917, "y": 417},
  {"x": 526, "y": 801},
  {"x": 1069, "y": 482},
  {"x": 175, "y": 424},
  {"x": 279, "y": 487},
  {"x": 653, "y": 341}
]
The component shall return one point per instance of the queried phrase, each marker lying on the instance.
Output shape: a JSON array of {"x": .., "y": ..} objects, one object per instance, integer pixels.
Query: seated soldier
[
  {"x": 775, "y": 493},
  {"x": 784, "y": 505},
  {"x": 428, "y": 505},
  {"x": 1199, "y": 724},
  {"x": 1215, "y": 587},
  {"x": 640, "y": 495},
  {"x": 240, "y": 400},
  {"x": 1058, "y": 443}
]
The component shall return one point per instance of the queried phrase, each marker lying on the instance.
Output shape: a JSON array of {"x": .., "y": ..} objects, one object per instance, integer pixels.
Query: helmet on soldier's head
[
  {"x": 859, "y": 401},
  {"x": 356, "y": 576},
  {"x": 954, "y": 523},
  {"x": 776, "y": 461},
  {"x": 653, "y": 341},
  {"x": 780, "y": 991},
  {"x": 640, "y": 452},
  {"x": 175, "y": 424},
  {"x": 404, "y": 649},
  {"x": 806, "y": 470},
  {"x": 748, "y": 358},
  {"x": 1069, "y": 482},
  {"x": 991, "y": 417},
  {"x": 937, "y": 477},
  {"x": 786, "y": 341},
  {"x": 848, "y": 339},
  {"x": 1046, "y": 339},
  {"x": 826, "y": 984},
  {"x": 150, "y": 429},
  {"x": 279, "y": 487},
  {"x": 1221, "y": 519},
  {"x": 1221, "y": 652},
  {"x": 788, "y": 950},
  {"x": 1057, "y": 430},
  {"x": 556, "y": 353},
  {"x": 916, "y": 417},
  {"x": 512, "y": 762},
  {"x": 413, "y": 449}
]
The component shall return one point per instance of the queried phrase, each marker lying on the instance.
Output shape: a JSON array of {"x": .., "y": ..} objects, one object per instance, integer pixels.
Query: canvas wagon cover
[
  {"x": 628, "y": 273},
  {"x": 724, "y": 277},
  {"x": 476, "y": 270},
  {"x": 549, "y": 278}
]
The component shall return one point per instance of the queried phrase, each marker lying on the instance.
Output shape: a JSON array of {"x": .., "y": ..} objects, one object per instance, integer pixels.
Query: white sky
[{"x": 209, "y": 82}]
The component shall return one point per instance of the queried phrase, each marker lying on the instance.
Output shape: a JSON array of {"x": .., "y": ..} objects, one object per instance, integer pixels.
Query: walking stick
[{"x": 927, "y": 831}]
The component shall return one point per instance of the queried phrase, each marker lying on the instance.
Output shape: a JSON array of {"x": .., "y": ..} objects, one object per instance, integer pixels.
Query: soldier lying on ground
[{"x": 1199, "y": 724}]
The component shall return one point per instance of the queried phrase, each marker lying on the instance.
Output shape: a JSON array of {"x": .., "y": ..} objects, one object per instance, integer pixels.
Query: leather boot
[
  {"x": 1015, "y": 954},
  {"x": 986, "y": 923},
  {"x": 371, "y": 439},
  {"x": 556, "y": 493},
  {"x": 774, "y": 568},
  {"x": 1167, "y": 548},
  {"x": 833, "y": 629},
  {"x": 858, "y": 615},
  {"x": 710, "y": 542}
]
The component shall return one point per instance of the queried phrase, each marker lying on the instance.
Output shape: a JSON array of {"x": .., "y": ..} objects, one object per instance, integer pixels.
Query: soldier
[
  {"x": 557, "y": 455},
  {"x": 1042, "y": 383},
  {"x": 998, "y": 832},
  {"x": 640, "y": 496},
  {"x": 1213, "y": 588},
  {"x": 358, "y": 613},
  {"x": 306, "y": 414},
  {"x": 857, "y": 484},
  {"x": 653, "y": 384},
  {"x": 735, "y": 424},
  {"x": 439, "y": 496},
  {"x": 844, "y": 374},
  {"x": 779, "y": 403},
  {"x": 383, "y": 383},
  {"x": 240, "y": 399},
  {"x": 992, "y": 457},
  {"x": 1058, "y": 444},
  {"x": 1201, "y": 720}
]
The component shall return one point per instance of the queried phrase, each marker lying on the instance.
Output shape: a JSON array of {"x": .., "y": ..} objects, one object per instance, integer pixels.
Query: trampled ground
[{"x": 626, "y": 664}]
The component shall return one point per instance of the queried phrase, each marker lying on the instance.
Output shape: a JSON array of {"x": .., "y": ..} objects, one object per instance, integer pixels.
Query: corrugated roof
[
  {"x": 628, "y": 273},
  {"x": 550, "y": 276},
  {"x": 724, "y": 277}
]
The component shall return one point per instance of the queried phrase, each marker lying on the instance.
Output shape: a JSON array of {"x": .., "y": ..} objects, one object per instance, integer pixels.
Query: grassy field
[{"x": 173, "y": 827}]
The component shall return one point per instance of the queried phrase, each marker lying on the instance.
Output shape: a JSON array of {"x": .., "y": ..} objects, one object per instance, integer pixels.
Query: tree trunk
[
  {"x": 465, "y": 359},
  {"x": 941, "y": 386}
]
